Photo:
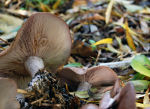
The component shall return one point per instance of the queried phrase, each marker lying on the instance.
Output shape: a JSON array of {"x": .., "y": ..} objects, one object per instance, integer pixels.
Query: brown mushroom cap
[
  {"x": 8, "y": 94},
  {"x": 127, "y": 97},
  {"x": 95, "y": 76},
  {"x": 73, "y": 74},
  {"x": 100, "y": 75},
  {"x": 43, "y": 35}
]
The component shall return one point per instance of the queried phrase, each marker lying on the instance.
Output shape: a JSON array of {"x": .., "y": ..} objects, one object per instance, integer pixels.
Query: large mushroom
[{"x": 43, "y": 41}]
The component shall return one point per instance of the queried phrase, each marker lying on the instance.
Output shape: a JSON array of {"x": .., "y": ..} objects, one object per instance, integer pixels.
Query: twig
[
  {"x": 18, "y": 13},
  {"x": 141, "y": 95},
  {"x": 8, "y": 36},
  {"x": 38, "y": 101},
  {"x": 118, "y": 64},
  {"x": 5, "y": 41},
  {"x": 98, "y": 55}
]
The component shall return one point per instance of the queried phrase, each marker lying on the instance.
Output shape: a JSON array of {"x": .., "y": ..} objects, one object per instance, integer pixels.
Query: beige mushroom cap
[
  {"x": 8, "y": 94},
  {"x": 43, "y": 35}
]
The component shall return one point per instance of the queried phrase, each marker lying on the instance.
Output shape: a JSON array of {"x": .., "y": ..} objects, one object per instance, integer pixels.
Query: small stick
[
  {"x": 8, "y": 36},
  {"x": 22, "y": 91},
  {"x": 5, "y": 41},
  {"x": 37, "y": 101},
  {"x": 118, "y": 64}
]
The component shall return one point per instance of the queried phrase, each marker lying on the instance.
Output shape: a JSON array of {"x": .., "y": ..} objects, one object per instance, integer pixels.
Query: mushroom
[
  {"x": 8, "y": 94},
  {"x": 127, "y": 97},
  {"x": 100, "y": 76},
  {"x": 88, "y": 77},
  {"x": 71, "y": 75},
  {"x": 43, "y": 41},
  {"x": 119, "y": 98}
]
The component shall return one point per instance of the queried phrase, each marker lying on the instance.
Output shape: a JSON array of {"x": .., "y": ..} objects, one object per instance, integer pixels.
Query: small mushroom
[
  {"x": 71, "y": 75},
  {"x": 121, "y": 98},
  {"x": 8, "y": 94},
  {"x": 110, "y": 97},
  {"x": 87, "y": 77},
  {"x": 43, "y": 40},
  {"x": 127, "y": 97}
]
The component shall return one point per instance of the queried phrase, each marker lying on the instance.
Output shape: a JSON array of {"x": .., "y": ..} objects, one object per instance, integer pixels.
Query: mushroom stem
[
  {"x": 33, "y": 64},
  {"x": 84, "y": 86}
]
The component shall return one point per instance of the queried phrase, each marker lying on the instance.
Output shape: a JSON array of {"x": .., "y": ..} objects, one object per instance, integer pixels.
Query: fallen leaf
[
  {"x": 108, "y": 11},
  {"x": 139, "y": 63},
  {"x": 55, "y": 6},
  {"x": 112, "y": 49},
  {"x": 133, "y": 8},
  {"x": 146, "y": 99},
  {"x": 44, "y": 7},
  {"x": 79, "y": 48},
  {"x": 74, "y": 65},
  {"x": 103, "y": 41},
  {"x": 141, "y": 105},
  {"x": 140, "y": 84},
  {"x": 8, "y": 23},
  {"x": 123, "y": 48},
  {"x": 144, "y": 27},
  {"x": 129, "y": 37}
]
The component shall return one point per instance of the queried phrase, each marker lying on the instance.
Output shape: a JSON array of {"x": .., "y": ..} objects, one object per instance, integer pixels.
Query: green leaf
[
  {"x": 133, "y": 8},
  {"x": 46, "y": 2},
  {"x": 138, "y": 76},
  {"x": 93, "y": 46},
  {"x": 140, "y": 84},
  {"x": 139, "y": 64},
  {"x": 142, "y": 59},
  {"x": 74, "y": 65},
  {"x": 81, "y": 94},
  {"x": 84, "y": 94}
]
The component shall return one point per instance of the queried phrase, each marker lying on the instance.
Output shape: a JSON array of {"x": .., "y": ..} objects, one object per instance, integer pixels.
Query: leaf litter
[{"x": 114, "y": 33}]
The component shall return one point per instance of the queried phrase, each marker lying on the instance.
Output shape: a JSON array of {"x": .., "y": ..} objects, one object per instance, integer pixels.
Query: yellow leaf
[
  {"x": 142, "y": 105},
  {"x": 130, "y": 31},
  {"x": 56, "y": 4},
  {"x": 108, "y": 11},
  {"x": 21, "y": 91},
  {"x": 129, "y": 37},
  {"x": 44, "y": 7},
  {"x": 103, "y": 41}
]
